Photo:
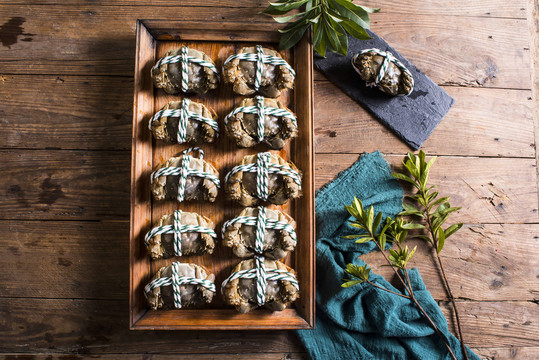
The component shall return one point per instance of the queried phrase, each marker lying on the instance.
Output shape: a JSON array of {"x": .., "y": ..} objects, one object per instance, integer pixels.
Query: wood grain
[
  {"x": 481, "y": 123},
  {"x": 483, "y": 8},
  {"x": 69, "y": 185},
  {"x": 493, "y": 52},
  {"x": 76, "y": 260},
  {"x": 78, "y": 112},
  {"x": 88, "y": 260},
  {"x": 485, "y": 188},
  {"x": 100, "y": 327},
  {"x": 211, "y": 356},
  {"x": 479, "y": 263}
]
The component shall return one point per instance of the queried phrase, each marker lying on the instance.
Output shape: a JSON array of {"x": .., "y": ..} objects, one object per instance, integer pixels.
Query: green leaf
[
  {"x": 292, "y": 37},
  {"x": 412, "y": 226},
  {"x": 364, "y": 240},
  {"x": 355, "y": 30},
  {"x": 354, "y": 236},
  {"x": 404, "y": 177},
  {"x": 377, "y": 221},
  {"x": 322, "y": 45},
  {"x": 423, "y": 237},
  {"x": 351, "y": 283},
  {"x": 441, "y": 240},
  {"x": 409, "y": 256},
  {"x": 285, "y": 19},
  {"x": 287, "y": 6},
  {"x": 382, "y": 241},
  {"x": 369, "y": 10},
  {"x": 452, "y": 229},
  {"x": 439, "y": 201},
  {"x": 352, "y": 12},
  {"x": 370, "y": 219}
]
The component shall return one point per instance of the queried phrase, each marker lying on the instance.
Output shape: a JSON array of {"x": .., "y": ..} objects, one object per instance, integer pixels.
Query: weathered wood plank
[
  {"x": 484, "y": 8},
  {"x": 497, "y": 324},
  {"x": 493, "y": 52},
  {"x": 89, "y": 260},
  {"x": 76, "y": 260},
  {"x": 533, "y": 25},
  {"x": 213, "y": 356},
  {"x": 100, "y": 327},
  {"x": 482, "y": 122},
  {"x": 92, "y": 112},
  {"x": 78, "y": 112},
  {"x": 479, "y": 262},
  {"x": 489, "y": 190},
  {"x": 497, "y": 353},
  {"x": 72, "y": 185},
  {"x": 79, "y": 185}
]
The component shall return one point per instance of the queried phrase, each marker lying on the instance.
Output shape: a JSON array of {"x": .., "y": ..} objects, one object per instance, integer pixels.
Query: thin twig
[
  {"x": 444, "y": 278},
  {"x": 432, "y": 324},
  {"x": 383, "y": 288},
  {"x": 408, "y": 286}
]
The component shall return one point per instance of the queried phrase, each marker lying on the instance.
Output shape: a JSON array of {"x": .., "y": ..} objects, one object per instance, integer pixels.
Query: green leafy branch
[
  {"x": 330, "y": 20},
  {"x": 433, "y": 212},
  {"x": 394, "y": 231}
]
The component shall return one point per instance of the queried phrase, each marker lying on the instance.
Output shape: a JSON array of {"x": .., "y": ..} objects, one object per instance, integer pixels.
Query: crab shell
[
  {"x": 241, "y": 73},
  {"x": 191, "y": 295},
  {"x": 166, "y": 128},
  {"x": 196, "y": 188},
  {"x": 162, "y": 245},
  {"x": 395, "y": 82},
  {"x": 242, "y": 127},
  {"x": 277, "y": 243},
  {"x": 241, "y": 186},
  {"x": 241, "y": 292},
  {"x": 200, "y": 78}
]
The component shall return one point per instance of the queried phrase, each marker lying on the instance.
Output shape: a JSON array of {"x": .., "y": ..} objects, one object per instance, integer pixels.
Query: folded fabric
[{"x": 363, "y": 322}]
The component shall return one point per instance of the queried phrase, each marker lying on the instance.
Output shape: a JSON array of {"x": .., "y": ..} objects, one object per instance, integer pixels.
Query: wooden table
[{"x": 66, "y": 88}]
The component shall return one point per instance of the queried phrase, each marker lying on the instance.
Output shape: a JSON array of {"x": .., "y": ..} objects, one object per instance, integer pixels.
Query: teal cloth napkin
[{"x": 363, "y": 322}]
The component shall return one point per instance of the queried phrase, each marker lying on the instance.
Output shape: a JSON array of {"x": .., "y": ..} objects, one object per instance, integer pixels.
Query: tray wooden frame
[{"x": 301, "y": 315}]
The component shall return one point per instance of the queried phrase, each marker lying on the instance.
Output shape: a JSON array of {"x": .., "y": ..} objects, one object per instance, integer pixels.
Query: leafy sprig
[
  {"x": 434, "y": 212},
  {"x": 330, "y": 20}
]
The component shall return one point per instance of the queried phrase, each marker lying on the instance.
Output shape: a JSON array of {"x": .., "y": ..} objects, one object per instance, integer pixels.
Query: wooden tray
[{"x": 218, "y": 40}]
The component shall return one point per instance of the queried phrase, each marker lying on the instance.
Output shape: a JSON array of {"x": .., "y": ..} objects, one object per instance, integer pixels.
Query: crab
[
  {"x": 241, "y": 186},
  {"x": 197, "y": 131},
  {"x": 243, "y": 126},
  {"x": 162, "y": 297},
  {"x": 396, "y": 81},
  {"x": 241, "y": 237},
  {"x": 192, "y": 242},
  {"x": 201, "y": 79},
  {"x": 241, "y": 292},
  {"x": 242, "y": 73},
  {"x": 196, "y": 187}
]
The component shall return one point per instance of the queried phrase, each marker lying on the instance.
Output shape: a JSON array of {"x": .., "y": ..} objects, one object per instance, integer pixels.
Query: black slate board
[{"x": 413, "y": 117}]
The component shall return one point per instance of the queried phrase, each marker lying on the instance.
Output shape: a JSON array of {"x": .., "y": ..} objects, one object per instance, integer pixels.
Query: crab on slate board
[{"x": 413, "y": 117}]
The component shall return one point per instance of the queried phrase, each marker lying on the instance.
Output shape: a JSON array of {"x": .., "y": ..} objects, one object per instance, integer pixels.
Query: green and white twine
[
  {"x": 263, "y": 168},
  {"x": 388, "y": 58},
  {"x": 183, "y": 171},
  {"x": 184, "y": 114},
  {"x": 261, "y": 110},
  {"x": 184, "y": 59},
  {"x": 262, "y": 276},
  {"x": 262, "y": 223},
  {"x": 260, "y": 58},
  {"x": 177, "y": 281},
  {"x": 177, "y": 228}
]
